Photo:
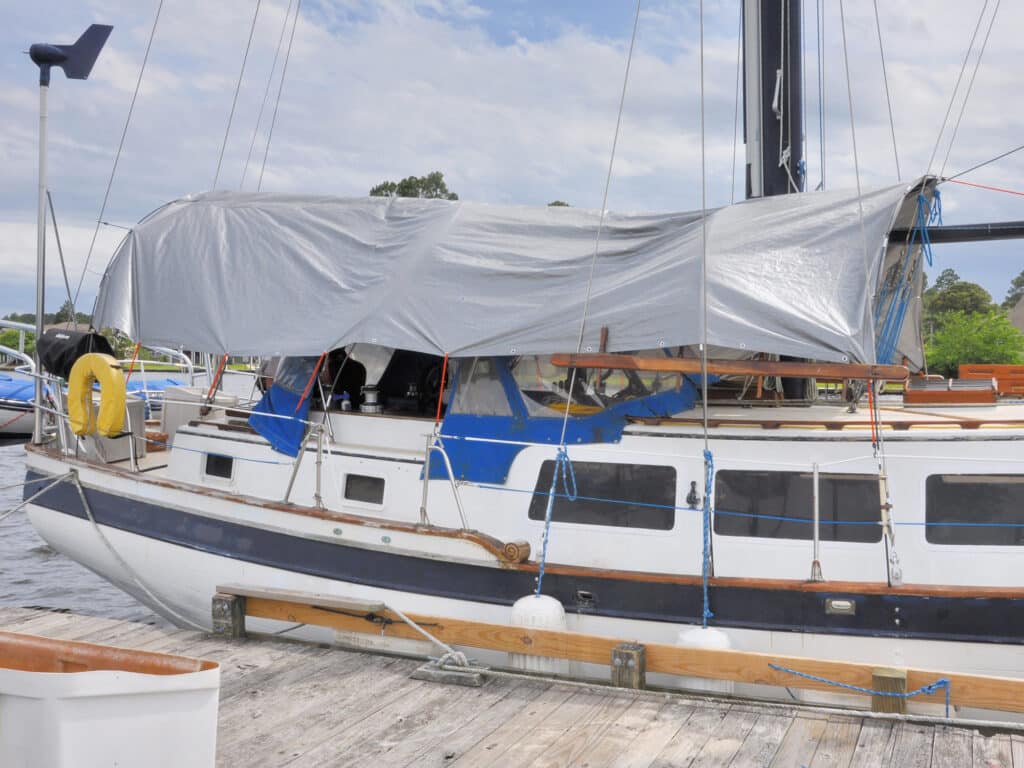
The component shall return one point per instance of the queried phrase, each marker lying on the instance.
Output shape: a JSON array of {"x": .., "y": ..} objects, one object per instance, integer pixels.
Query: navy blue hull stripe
[{"x": 982, "y": 619}]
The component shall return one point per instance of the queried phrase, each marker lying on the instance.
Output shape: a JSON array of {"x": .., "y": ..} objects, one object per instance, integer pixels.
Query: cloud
[{"x": 515, "y": 102}]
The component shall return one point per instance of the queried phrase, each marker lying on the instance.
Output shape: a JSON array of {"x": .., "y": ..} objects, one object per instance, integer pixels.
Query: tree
[
  {"x": 64, "y": 313},
  {"x": 430, "y": 186},
  {"x": 981, "y": 337},
  {"x": 1015, "y": 293},
  {"x": 946, "y": 279},
  {"x": 969, "y": 298},
  {"x": 558, "y": 204}
]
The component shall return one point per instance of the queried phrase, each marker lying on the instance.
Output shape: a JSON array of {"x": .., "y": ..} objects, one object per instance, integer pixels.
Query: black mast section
[{"x": 773, "y": 97}]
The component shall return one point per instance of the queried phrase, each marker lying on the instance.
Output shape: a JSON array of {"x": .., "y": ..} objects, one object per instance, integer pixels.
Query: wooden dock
[{"x": 291, "y": 704}]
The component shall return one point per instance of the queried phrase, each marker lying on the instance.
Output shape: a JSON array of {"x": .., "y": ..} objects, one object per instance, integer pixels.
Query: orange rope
[
  {"x": 986, "y": 186},
  {"x": 440, "y": 392},
  {"x": 309, "y": 384},
  {"x": 131, "y": 366}
]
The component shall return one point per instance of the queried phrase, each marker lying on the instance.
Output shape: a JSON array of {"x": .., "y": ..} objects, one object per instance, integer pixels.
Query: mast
[{"x": 773, "y": 97}]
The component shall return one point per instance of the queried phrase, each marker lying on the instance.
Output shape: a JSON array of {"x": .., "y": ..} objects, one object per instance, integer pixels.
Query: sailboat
[{"x": 477, "y": 404}]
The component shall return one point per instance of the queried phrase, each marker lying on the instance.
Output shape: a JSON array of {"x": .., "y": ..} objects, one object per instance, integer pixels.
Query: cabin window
[
  {"x": 619, "y": 495},
  {"x": 364, "y": 488},
  {"x": 218, "y": 465},
  {"x": 479, "y": 389},
  {"x": 780, "y": 505},
  {"x": 975, "y": 509}
]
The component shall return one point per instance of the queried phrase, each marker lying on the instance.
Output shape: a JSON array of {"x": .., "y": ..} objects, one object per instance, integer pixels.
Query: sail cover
[{"x": 269, "y": 274}]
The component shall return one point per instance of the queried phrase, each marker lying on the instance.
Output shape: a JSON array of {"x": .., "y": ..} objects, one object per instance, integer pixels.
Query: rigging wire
[
  {"x": 736, "y": 103},
  {"x": 709, "y": 469},
  {"x": 280, "y": 87},
  {"x": 970, "y": 85},
  {"x": 266, "y": 93},
  {"x": 820, "y": 23},
  {"x": 238, "y": 87},
  {"x": 63, "y": 267},
  {"x": 853, "y": 136},
  {"x": 956, "y": 88},
  {"x": 982, "y": 165},
  {"x": 600, "y": 221},
  {"x": 888, "y": 98},
  {"x": 120, "y": 147}
]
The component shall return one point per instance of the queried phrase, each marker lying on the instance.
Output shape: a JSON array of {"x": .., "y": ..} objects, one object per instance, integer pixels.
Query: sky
[{"x": 515, "y": 101}]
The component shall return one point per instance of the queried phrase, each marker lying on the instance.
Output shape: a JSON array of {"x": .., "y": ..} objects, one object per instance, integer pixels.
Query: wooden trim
[
  {"x": 995, "y": 693},
  {"x": 499, "y": 550},
  {"x": 735, "y": 367}
]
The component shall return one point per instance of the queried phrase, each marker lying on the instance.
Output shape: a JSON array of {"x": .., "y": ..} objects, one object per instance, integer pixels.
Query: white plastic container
[
  {"x": 183, "y": 404},
  {"x": 77, "y": 705}
]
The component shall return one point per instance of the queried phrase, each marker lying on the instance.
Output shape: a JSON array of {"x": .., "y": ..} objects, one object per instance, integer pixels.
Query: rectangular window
[
  {"x": 780, "y": 505},
  {"x": 620, "y": 495},
  {"x": 975, "y": 509},
  {"x": 219, "y": 466},
  {"x": 364, "y": 488}
]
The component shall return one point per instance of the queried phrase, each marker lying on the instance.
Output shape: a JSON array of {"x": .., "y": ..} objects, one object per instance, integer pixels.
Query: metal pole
[
  {"x": 37, "y": 431},
  {"x": 816, "y": 562}
]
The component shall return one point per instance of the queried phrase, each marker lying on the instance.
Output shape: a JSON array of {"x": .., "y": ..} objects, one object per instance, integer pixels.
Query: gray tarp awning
[{"x": 245, "y": 273}]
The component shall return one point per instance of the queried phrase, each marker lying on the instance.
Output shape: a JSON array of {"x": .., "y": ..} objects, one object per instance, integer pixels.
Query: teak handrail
[{"x": 734, "y": 367}]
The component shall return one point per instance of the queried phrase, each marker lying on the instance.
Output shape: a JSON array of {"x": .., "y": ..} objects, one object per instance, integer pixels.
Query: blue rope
[
  {"x": 926, "y": 690},
  {"x": 897, "y": 301},
  {"x": 709, "y": 474},
  {"x": 563, "y": 464}
]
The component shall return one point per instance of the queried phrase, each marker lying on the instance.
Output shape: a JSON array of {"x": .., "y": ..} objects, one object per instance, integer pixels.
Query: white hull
[{"x": 184, "y": 579}]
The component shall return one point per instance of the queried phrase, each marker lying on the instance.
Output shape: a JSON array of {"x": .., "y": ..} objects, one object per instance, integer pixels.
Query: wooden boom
[{"x": 735, "y": 367}]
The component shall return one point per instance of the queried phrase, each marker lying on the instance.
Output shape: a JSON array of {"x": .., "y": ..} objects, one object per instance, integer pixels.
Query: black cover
[{"x": 59, "y": 348}]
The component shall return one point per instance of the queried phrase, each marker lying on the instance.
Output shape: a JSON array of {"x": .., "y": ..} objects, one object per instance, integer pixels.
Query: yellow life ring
[{"x": 87, "y": 370}]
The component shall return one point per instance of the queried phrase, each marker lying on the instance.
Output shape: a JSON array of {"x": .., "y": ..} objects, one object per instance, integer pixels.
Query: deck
[{"x": 287, "y": 703}]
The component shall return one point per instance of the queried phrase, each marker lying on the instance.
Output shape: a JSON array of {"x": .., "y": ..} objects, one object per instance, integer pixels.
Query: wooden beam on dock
[{"x": 984, "y": 692}]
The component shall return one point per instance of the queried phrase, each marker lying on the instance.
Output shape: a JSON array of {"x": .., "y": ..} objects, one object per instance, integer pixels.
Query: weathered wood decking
[{"x": 285, "y": 703}]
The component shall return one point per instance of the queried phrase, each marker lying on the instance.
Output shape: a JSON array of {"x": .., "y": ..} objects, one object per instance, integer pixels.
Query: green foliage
[
  {"x": 558, "y": 204},
  {"x": 9, "y": 338},
  {"x": 951, "y": 294},
  {"x": 946, "y": 279},
  {"x": 430, "y": 186},
  {"x": 1016, "y": 291},
  {"x": 979, "y": 337},
  {"x": 969, "y": 298}
]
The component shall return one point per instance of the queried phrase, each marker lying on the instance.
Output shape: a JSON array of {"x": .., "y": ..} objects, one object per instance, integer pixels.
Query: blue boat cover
[{"x": 280, "y": 416}]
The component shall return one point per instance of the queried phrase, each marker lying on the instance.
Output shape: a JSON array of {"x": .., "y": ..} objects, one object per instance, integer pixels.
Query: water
[{"x": 33, "y": 574}]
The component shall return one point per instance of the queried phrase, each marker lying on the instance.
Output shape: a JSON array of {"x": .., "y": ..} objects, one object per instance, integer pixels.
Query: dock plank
[
  {"x": 649, "y": 743},
  {"x": 951, "y": 747},
  {"x": 762, "y": 742},
  {"x": 993, "y": 751},
  {"x": 837, "y": 743},
  {"x": 914, "y": 744},
  {"x": 800, "y": 742},
  {"x": 458, "y": 732},
  {"x": 299, "y": 704},
  {"x": 619, "y": 737},
  {"x": 690, "y": 739},
  {"x": 875, "y": 744},
  {"x": 582, "y": 736},
  {"x": 493, "y": 746},
  {"x": 726, "y": 739}
]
